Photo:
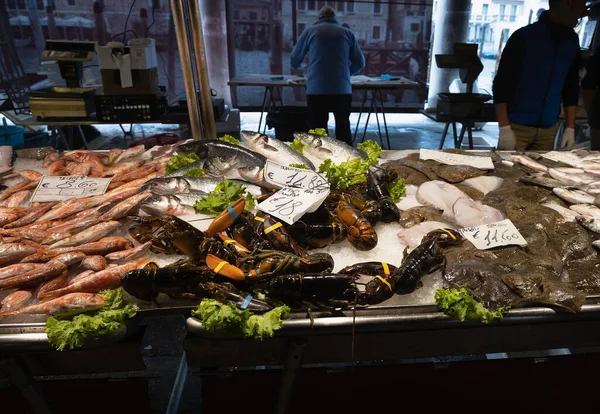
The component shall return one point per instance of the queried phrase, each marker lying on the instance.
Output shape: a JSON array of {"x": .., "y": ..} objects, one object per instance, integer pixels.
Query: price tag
[
  {"x": 488, "y": 236},
  {"x": 483, "y": 163},
  {"x": 61, "y": 188},
  {"x": 289, "y": 204},
  {"x": 283, "y": 176}
]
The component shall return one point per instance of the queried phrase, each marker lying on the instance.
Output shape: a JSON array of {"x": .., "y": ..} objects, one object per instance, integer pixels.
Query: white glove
[
  {"x": 568, "y": 139},
  {"x": 507, "y": 140}
]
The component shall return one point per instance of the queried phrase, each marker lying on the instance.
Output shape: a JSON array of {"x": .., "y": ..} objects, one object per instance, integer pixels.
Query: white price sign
[
  {"x": 483, "y": 163},
  {"x": 61, "y": 188},
  {"x": 488, "y": 236},
  {"x": 289, "y": 204},
  {"x": 283, "y": 176}
]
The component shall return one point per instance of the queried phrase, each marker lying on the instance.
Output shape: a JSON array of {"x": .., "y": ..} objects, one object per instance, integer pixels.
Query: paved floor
[{"x": 406, "y": 131}]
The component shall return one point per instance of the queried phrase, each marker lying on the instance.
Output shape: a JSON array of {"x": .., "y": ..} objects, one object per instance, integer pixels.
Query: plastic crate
[{"x": 12, "y": 135}]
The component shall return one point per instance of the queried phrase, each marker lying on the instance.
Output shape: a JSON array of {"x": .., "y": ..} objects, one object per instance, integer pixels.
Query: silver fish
[
  {"x": 574, "y": 196},
  {"x": 273, "y": 149},
  {"x": 528, "y": 162},
  {"x": 589, "y": 223},
  {"x": 571, "y": 179},
  {"x": 586, "y": 210},
  {"x": 182, "y": 185},
  {"x": 322, "y": 148},
  {"x": 158, "y": 205}
]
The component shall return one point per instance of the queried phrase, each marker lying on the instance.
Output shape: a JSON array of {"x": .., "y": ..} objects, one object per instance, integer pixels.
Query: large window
[
  {"x": 301, "y": 4},
  {"x": 513, "y": 12},
  {"x": 350, "y": 6},
  {"x": 377, "y": 6},
  {"x": 311, "y": 5},
  {"x": 503, "y": 12},
  {"x": 376, "y": 33},
  {"x": 484, "y": 9}
]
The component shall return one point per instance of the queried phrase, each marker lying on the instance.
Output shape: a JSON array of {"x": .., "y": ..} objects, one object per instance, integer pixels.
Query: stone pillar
[
  {"x": 451, "y": 26},
  {"x": 214, "y": 26}
]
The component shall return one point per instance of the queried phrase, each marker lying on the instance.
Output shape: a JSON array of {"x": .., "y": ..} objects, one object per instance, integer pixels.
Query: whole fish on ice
[
  {"x": 273, "y": 149},
  {"x": 319, "y": 148}
]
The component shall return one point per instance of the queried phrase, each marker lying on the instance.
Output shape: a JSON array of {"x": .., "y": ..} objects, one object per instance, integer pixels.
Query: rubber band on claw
[
  {"x": 223, "y": 268},
  {"x": 226, "y": 218}
]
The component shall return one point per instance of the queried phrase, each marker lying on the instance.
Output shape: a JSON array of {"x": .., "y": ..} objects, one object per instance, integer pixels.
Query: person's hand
[
  {"x": 507, "y": 140},
  {"x": 568, "y": 139}
]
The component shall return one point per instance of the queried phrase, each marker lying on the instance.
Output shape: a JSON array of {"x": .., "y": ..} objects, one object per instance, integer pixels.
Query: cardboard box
[
  {"x": 145, "y": 81},
  {"x": 142, "y": 53}
]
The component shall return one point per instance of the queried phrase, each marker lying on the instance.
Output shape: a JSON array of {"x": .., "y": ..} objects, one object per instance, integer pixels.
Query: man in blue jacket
[
  {"x": 538, "y": 71},
  {"x": 333, "y": 56}
]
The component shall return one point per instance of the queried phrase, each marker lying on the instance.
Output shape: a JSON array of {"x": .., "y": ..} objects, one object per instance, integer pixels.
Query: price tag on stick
[
  {"x": 289, "y": 204},
  {"x": 283, "y": 176},
  {"x": 61, "y": 188},
  {"x": 488, "y": 236}
]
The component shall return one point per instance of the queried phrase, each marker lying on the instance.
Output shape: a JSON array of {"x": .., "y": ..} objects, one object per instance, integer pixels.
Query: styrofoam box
[{"x": 142, "y": 51}]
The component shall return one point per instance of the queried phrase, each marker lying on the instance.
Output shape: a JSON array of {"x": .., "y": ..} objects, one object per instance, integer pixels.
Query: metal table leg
[
  {"x": 63, "y": 138},
  {"x": 376, "y": 113},
  {"x": 362, "y": 106},
  {"x": 264, "y": 102},
  {"x": 458, "y": 144},
  {"x": 292, "y": 365},
  {"x": 470, "y": 135},
  {"x": 454, "y": 133},
  {"x": 387, "y": 135},
  {"x": 85, "y": 144},
  {"x": 444, "y": 134}
]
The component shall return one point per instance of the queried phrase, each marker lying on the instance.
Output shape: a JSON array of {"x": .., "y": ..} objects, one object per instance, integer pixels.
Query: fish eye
[
  {"x": 318, "y": 142},
  {"x": 222, "y": 158}
]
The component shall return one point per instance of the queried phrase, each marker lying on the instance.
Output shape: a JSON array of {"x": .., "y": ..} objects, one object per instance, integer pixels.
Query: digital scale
[{"x": 72, "y": 100}]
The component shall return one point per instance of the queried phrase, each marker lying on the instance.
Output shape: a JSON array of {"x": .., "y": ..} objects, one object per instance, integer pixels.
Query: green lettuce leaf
[
  {"x": 228, "y": 319},
  {"x": 224, "y": 194},
  {"x": 397, "y": 190},
  {"x": 230, "y": 139},
  {"x": 297, "y": 145},
  {"x": 71, "y": 333},
  {"x": 318, "y": 131},
  {"x": 195, "y": 172},
  {"x": 346, "y": 173},
  {"x": 301, "y": 166},
  {"x": 458, "y": 304},
  {"x": 180, "y": 160},
  {"x": 372, "y": 149}
]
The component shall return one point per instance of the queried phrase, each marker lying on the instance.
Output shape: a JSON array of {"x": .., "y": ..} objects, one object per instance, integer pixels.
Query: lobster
[
  {"x": 361, "y": 233},
  {"x": 377, "y": 181}
]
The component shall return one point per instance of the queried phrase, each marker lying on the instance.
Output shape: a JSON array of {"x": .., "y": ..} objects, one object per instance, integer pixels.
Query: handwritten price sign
[
  {"x": 488, "y": 236},
  {"x": 62, "y": 188},
  {"x": 289, "y": 204},
  {"x": 283, "y": 176},
  {"x": 483, "y": 163}
]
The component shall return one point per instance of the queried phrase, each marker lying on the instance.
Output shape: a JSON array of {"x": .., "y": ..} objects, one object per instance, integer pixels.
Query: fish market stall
[{"x": 326, "y": 253}]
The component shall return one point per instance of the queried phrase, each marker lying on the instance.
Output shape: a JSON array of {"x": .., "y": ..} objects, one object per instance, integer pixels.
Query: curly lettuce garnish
[
  {"x": 71, "y": 333},
  {"x": 301, "y": 166},
  {"x": 224, "y": 194},
  {"x": 180, "y": 160},
  {"x": 297, "y": 145},
  {"x": 458, "y": 304},
  {"x": 397, "y": 190},
  {"x": 346, "y": 173},
  {"x": 228, "y": 319},
  {"x": 230, "y": 139},
  {"x": 372, "y": 149},
  {"x": 195, "y": 172},
  {"x": 318, "y": 131}
]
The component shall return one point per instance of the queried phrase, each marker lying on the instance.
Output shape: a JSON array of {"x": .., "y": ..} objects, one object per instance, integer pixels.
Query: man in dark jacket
[
  {"x": 538, "y": 71},
  {"x": 333, "y": 55},
  {"x": 591, "y": 99}
]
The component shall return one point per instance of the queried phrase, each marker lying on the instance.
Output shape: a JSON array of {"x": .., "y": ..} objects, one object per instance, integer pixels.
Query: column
[
  {"x": 451, "y": 22},
  {"x": 214, "y": 26}
]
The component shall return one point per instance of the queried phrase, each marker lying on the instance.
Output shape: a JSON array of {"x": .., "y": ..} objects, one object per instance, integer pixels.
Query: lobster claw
[
  {"x": 223, "y": 268},
  {"x": 226, "y": 218},
  {"x": 238, "y": 247}
]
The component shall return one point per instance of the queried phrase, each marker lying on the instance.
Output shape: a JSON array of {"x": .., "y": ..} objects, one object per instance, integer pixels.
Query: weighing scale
[{"x": 71, "y": 100}]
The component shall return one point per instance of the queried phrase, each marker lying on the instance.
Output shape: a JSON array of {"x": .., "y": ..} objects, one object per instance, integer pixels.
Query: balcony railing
[{"x": 492, "y": 18}]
